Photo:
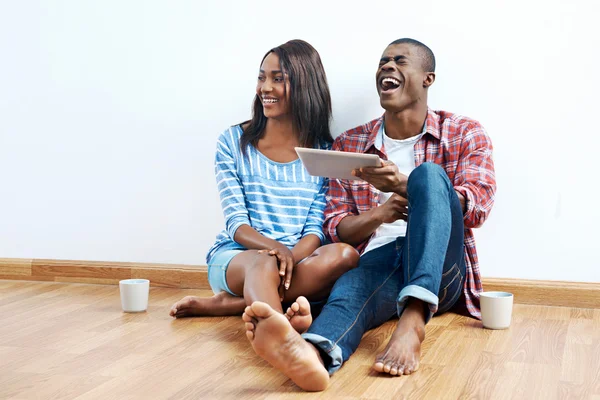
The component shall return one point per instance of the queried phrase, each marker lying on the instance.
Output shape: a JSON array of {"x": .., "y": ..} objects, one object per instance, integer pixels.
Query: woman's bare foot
[
  {"x": 217, "y": 305},
  {"x": 299, "y": 314},
  {"x": 403, "y": 352},
  {"x": 274, "y": 339}
]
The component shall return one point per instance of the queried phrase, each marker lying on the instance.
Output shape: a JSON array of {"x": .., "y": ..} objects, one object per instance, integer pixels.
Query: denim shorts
[{"x": 217, "y": 271}]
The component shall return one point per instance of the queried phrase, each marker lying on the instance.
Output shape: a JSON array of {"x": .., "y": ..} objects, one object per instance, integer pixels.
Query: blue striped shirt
[{"x": 279, "y": 200}]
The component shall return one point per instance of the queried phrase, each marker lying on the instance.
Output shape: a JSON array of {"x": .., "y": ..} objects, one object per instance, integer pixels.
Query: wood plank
[
  {"x": 194, "y": 278},
  {"x": 537, "y": 292},
  {"x": 78, "y": 269},
  {"x": 549, "y": 293},
  {"x": 68, "y": 340},
  {"x": 15, "y": 266}
]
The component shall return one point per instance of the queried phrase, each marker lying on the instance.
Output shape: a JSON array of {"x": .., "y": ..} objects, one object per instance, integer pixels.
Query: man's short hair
[{"x": 428, "y": 59}]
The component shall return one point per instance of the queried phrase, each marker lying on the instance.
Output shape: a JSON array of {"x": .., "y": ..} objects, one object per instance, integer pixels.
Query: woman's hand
[{"x": 286, "y": 262}]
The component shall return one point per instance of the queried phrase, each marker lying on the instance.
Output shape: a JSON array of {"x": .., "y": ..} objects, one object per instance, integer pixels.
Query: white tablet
[{"x": 335, "y": 164}]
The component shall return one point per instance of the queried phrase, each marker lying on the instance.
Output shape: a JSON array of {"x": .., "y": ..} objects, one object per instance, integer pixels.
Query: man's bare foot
[
  {"x": 217, "y": 305},
  {"x": 299, "y": 314},
  {"x": 403, "y": 352},
  {"x": 274, "y": 339}
]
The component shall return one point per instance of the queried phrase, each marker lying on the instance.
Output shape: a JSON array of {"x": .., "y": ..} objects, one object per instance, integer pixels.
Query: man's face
[{"x": 401, "y": 81}]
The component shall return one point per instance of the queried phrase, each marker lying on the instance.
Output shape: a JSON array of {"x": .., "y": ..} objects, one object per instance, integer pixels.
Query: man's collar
[
  {"x": 431, "y": 126},
  {"x": 375, "y": 138}
]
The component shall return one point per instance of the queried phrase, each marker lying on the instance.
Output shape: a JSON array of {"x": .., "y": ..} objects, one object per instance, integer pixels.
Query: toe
[
  {"x": 295, "y": 307},
  {"x": 290, "y": 313},
  {"x": 378, "y": 366},
  {"x": 249, "y": 326},
  {"x": 250, "y": 335},
  {"x": 261, "y": 310},
  {"x": 387, "y": 368},
  {"x": 394, "y": 369},
  {"x": 303, "y": 305},
  {"x": 248, "y": 310},
  {"x": 415, "y": 366}
]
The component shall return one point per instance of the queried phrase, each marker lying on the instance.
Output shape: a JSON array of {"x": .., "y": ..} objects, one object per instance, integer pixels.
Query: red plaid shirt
[{"x": 459, "y": 145}]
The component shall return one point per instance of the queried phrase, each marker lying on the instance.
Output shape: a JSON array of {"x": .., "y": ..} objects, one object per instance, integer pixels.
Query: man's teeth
[
  {"x": 270, "y": 101},
  {"x": 392, "y": 81}
]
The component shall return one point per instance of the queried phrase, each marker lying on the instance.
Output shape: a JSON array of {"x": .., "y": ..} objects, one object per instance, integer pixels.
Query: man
[{"x": 410, "y": 218}]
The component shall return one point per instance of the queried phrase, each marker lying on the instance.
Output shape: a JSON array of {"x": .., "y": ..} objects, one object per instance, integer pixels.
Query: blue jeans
[{"x": 428, "y": 264}]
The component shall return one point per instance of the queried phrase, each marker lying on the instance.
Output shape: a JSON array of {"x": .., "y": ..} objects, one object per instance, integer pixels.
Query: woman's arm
[{"x": 305, "y": 247}]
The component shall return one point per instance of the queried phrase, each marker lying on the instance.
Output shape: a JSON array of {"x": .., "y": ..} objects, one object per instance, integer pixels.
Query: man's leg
[
  {"x": 361, "y": 299},
  {"x": 432, "y": 264}
]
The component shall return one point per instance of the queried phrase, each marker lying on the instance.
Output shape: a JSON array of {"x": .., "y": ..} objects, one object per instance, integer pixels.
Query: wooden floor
[{"x": 71, "y": 341}]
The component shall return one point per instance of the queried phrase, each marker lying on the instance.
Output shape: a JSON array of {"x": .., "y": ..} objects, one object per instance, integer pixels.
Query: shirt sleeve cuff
[
  {"x": 332, "y": 225},
  {"x": 469, "y": 200},
  {"x": 235, "y": 223},
  {"x": 318, "y": 233}
]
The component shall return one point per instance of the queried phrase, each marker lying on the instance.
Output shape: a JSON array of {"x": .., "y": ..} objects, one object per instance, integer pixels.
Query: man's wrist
[
  {"x": 377, "y": 215},
  {"x": 462, "y": 200},
  {"x": 401, "y": 190}
]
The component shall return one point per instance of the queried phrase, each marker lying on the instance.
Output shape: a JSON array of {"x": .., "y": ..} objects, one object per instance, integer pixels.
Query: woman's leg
[
  {"x": 220, "y": 305},
  {"x": 247, "y": 277},
  {"x": 315, "y": 276},
  {"x": 256, "y": 276}
]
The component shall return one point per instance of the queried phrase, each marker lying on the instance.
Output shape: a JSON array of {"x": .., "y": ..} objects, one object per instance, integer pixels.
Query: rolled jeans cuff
[
  {"x": 418, "y": 293},
  {"x": 330, "y": 352}
]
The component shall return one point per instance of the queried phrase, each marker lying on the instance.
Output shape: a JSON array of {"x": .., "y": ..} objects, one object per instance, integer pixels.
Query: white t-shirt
[{"x": 401, "y": 153}]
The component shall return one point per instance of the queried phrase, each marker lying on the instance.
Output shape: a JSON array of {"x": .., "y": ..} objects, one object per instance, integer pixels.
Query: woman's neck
[{"x": 280, "y": 132}]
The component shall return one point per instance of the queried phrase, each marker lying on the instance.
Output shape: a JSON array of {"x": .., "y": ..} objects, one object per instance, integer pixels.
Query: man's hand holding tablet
[
  {"x": 386, "y": 178},
  {"x": 336, "y": 164},
  {"x": 382, "y": 174}
]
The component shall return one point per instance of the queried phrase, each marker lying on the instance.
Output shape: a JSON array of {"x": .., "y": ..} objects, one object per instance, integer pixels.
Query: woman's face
[{"x": 273, "y": 88}]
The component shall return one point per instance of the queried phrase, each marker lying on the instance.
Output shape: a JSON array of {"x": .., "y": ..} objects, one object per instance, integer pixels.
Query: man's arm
[
  {"x": 475, "y": 178},
  {"x": 343, "y": 222},
  {"x": 358, "y": 228},
  {"x": 355, "y": 229},
  {"x": 388, "y": 178},
  {"x": 463, "y": 202}
]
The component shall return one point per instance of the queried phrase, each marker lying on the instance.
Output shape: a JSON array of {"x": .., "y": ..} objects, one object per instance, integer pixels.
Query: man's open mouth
[{"x": 389, "y": 84}]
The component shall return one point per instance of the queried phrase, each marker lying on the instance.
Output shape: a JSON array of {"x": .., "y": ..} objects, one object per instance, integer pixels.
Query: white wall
[{"x": 109, "y": 111}]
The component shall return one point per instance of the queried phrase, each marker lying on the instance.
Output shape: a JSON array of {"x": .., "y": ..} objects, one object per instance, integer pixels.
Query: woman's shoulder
[
  {"x": 243, "y": 125},
  {"x": 231, "y": 136}
]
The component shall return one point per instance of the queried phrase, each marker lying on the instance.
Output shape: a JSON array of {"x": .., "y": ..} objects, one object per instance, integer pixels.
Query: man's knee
[{"x": 428, "y": 178}]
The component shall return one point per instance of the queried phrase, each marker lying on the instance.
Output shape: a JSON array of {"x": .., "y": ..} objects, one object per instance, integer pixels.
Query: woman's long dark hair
[{"x": 310, "y": 100}]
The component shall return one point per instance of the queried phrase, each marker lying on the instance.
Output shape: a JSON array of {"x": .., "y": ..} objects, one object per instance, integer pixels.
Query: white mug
[
  {"x": 496, "y": 309},
  {"x": 134, "y": 294}
]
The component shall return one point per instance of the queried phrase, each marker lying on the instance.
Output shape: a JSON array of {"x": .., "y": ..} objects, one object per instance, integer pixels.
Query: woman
[{"x": 271, "y": 248}]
